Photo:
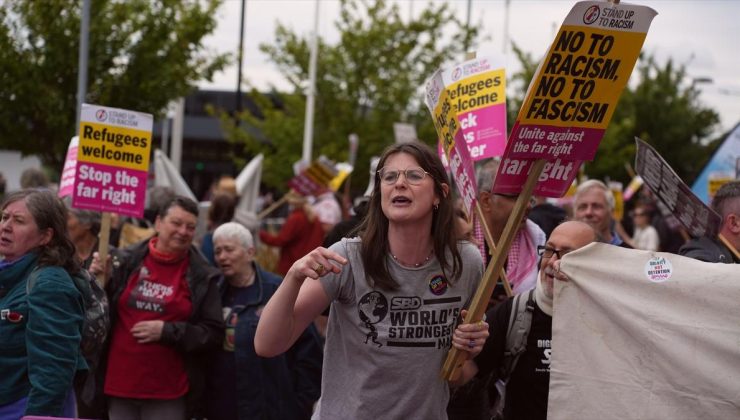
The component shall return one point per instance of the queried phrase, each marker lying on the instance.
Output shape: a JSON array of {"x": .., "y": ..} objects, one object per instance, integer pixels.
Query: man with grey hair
[
  {"x": 726, "y": 203},
  {"x": 594, "y": 204},
  {"x": 521, "y": 263}
]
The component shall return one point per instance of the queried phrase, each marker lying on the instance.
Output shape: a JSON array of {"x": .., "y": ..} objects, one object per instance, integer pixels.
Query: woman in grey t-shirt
[{"x": 397, "y": 292}]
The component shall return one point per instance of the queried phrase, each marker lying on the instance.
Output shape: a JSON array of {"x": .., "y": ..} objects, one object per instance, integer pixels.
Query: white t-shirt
[
  {"x": 385, "y": 349},
  {"x": 646, "y": 238}
]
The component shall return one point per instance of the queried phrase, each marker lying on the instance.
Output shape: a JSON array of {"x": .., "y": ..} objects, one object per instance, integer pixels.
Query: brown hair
[
  {"x": 374, "y": 228},
  {"x": 49, "y": 212}
]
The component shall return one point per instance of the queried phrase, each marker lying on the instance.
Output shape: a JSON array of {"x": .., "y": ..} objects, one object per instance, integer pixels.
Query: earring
[{"x": 436, "y": 206}]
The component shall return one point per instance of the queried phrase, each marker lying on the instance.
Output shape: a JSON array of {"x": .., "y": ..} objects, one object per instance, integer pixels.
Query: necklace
[{"x": 417, "y": 264}]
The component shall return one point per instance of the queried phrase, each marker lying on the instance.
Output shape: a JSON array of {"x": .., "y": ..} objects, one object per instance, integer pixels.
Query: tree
[
  {"x": 142, "y": 55},
  {"x": 370, "y": 79},
  {"x": 664, "y": 110}
]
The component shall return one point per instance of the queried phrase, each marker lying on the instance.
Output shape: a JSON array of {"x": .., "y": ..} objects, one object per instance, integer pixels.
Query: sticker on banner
[{"x": 658, "y": 269}]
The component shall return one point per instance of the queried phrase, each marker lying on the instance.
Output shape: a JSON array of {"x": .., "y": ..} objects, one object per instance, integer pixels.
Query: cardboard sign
[
  {"x": 577, "y": 86},
  {"x": 554, "y": 181},
  {"x": 404, "y": 132},
  {"x": 112, "y": 160},
  {"x": 477, "y": 91},
  {"x": 67, "y": 181},
  {"x": 697, "y": 217},
  {"x": 314, "y": 179},
  {"x": 573, "y": 94},
  {"x": 438, "y": 100}
]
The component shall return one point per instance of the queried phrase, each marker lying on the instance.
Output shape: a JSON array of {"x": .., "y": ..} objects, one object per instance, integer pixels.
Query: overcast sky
[{"x": 701, "y": 34}]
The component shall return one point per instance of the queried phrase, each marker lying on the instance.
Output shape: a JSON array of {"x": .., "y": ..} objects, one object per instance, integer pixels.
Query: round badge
[
  {"x": 438, "y": 285},
  {"x": 658, "y": 269}
]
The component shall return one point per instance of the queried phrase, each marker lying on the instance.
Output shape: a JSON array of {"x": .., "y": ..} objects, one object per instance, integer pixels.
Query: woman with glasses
[{"x": 396, "y": 293}]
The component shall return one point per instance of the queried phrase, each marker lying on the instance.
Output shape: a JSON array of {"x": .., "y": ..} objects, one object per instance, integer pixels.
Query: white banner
[{"x": 645, "y": 335}]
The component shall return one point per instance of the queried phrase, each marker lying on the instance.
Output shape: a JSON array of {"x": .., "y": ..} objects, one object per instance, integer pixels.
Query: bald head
[
  {"x": 566, "y": 237},
  {"x": 573, "y": 235}
]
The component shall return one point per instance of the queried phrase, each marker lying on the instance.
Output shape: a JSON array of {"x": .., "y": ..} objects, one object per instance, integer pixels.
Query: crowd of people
[{"x": 353, "y": 321}]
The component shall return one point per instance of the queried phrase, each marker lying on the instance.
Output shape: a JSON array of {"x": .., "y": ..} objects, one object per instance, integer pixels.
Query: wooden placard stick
[
  {"x": 729, "y": 246},
  {"x": 456, "y": 358},
  {"x": 492, "y": 247},
  {"x": 103, "y": 240},
  {"x": 272, "y": 207}
]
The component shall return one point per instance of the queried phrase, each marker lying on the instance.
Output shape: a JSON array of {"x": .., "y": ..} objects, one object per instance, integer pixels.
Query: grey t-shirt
[{"x": 384, "y": 350}]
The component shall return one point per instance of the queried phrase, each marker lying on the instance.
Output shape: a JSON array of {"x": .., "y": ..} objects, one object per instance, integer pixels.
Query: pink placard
[
  {"x": 484, "y": 131},
  {"x": 109, "y": 188},
  {"x": 533, "y": 141},
  {"x": 67, "y": 180},
  {"x": 554, "y": 181}
]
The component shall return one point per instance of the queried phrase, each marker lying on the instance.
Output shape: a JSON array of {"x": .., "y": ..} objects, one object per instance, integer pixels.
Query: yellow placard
[
  {"x": 115, "y": 146},
  {"x": 478, "y": 92},
  {"x": 716, "y": 183},
  {"x": 582, "y": 77}
]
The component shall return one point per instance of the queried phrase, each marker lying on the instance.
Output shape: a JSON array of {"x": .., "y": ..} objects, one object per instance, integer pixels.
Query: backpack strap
[{"x": 520, "y": 322}]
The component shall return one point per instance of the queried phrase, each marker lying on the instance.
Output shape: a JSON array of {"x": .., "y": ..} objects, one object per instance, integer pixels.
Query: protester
[
  {"x": 645, "y": 236},
  {"x": 521, "y": 262},
  {"x": 34, "y": 178},
  {"x": 346, "y": 227},
  {"x": 83, "y": 227},
  {"x": 221, "y": 211},
  {"x": 300, "y": 233},
  {"x": 396, "y": 293},
  {"x": 726, "y": 203},
  {"x": 527, "y": 387},
  {"x": 327, "y": 210},
  {"x": 240, "y": 384},
  {"x": 41, "y": 309},
  {"x": 546, "y": 215},
  {"x": 165, "y": 312},
  {"x": 594, "y": 205}
]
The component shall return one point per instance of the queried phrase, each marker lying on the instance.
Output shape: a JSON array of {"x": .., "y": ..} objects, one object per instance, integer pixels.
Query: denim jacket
[{"x": 282, "y": 387}]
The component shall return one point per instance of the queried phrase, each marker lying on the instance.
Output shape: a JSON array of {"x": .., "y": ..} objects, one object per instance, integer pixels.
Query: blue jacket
[
  {"x": 283, "y": 387},
  {"x": 40, "y": 335}
]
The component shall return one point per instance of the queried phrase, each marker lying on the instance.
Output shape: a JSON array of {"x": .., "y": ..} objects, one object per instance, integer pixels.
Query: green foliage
[
  {"x": 142, "y": 55},
  {"x": 370, "y": 79},
  {"x": 664, "y": 110}
]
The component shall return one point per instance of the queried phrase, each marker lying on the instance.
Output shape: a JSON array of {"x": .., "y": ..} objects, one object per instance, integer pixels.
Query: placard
[
  {"x": 112, "y": 160},
  {"x": 677, "y": 197}
]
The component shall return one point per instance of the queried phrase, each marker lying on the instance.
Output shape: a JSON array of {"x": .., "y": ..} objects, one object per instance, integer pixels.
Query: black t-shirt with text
[{"x": 528, "y": 386}]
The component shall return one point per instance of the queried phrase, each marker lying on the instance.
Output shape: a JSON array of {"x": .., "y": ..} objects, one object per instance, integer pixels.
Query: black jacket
[
  {"x": 283, "y": 387},
  {"x": 194, "y": 338},
  {"x": 708, "y": 250}
]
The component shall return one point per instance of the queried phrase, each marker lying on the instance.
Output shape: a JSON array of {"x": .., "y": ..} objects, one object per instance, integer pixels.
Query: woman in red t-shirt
[{"x": 164, "y": 306}]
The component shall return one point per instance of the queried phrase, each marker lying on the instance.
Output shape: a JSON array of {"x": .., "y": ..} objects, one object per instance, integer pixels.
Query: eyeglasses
[
  {"x": 414, "y": 175},
  {"x": 547, "y": 252}
]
